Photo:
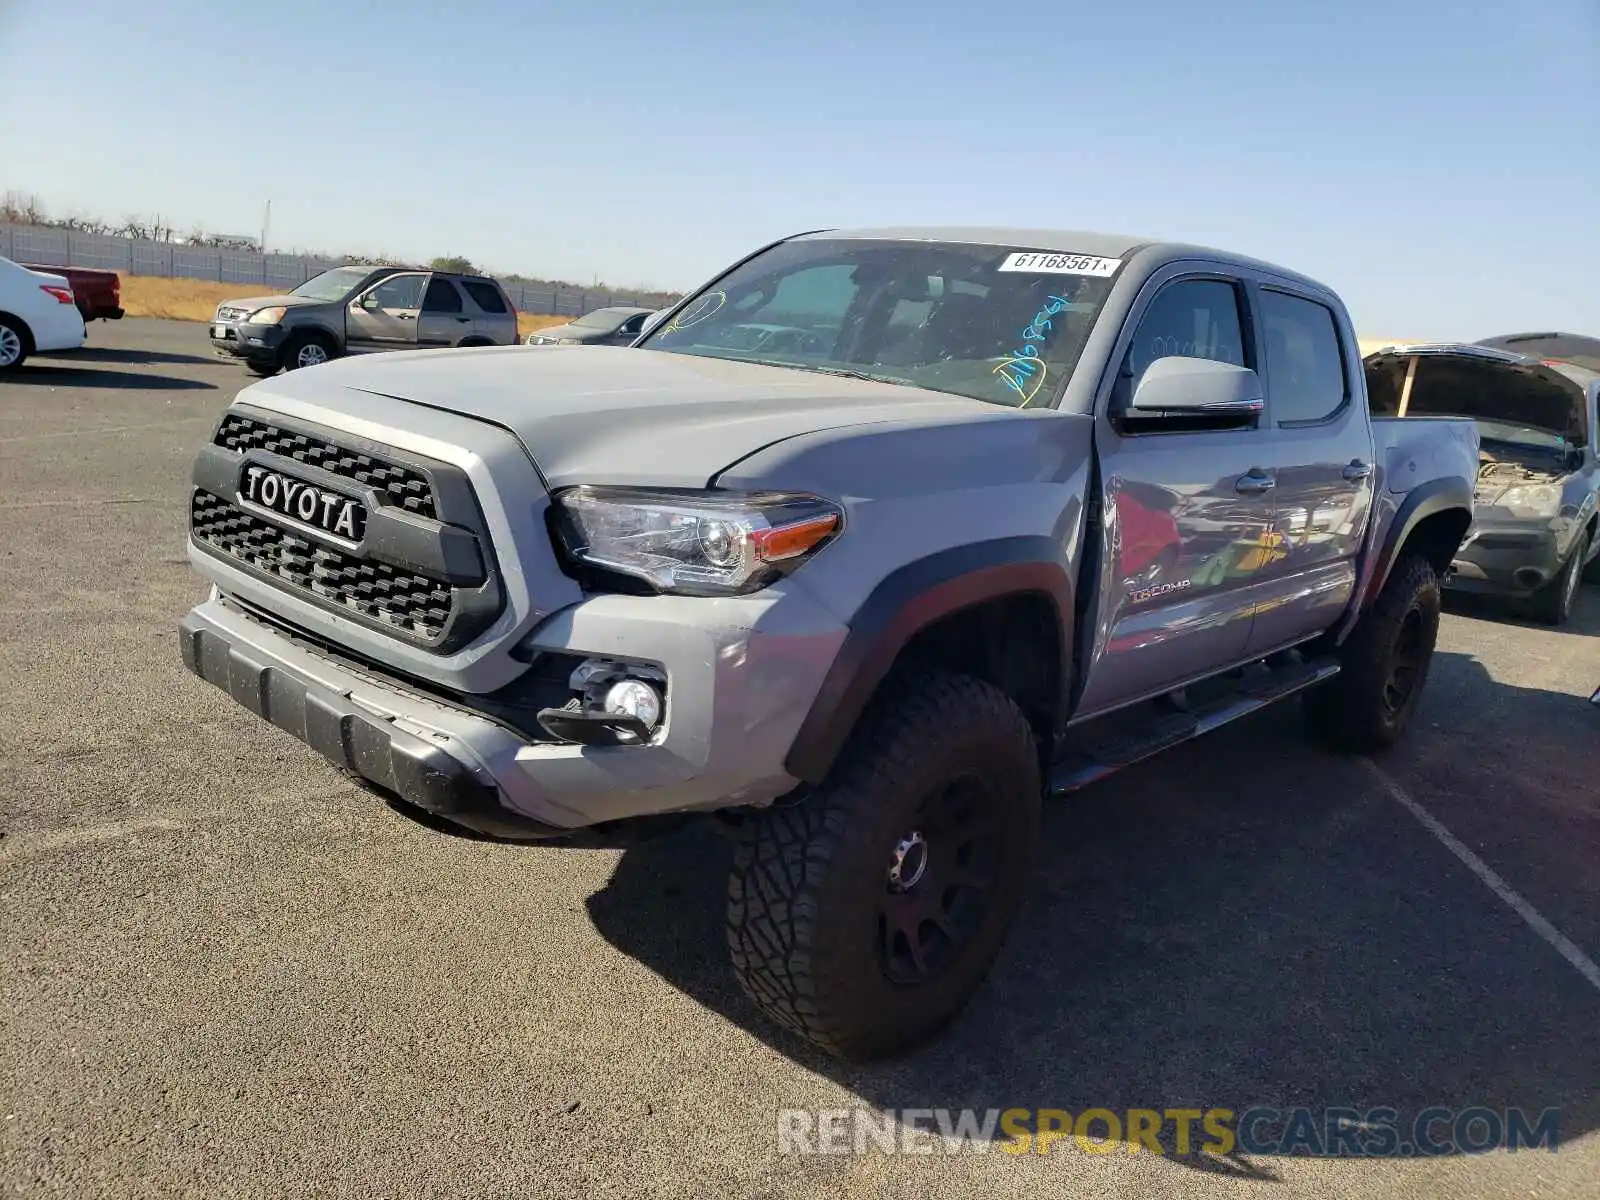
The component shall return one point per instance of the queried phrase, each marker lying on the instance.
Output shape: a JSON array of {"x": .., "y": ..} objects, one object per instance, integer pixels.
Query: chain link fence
[{"x": 271, "y": 272}]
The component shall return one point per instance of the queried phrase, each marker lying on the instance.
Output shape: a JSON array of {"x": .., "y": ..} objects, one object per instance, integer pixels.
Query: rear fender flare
[
  {"x": 1423, "y": 501},
  {"x": 911, "y": 599}
]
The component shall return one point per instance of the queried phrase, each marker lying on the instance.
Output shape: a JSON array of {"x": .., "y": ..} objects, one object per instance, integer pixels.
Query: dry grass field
[{"x": 197, "y": 299}]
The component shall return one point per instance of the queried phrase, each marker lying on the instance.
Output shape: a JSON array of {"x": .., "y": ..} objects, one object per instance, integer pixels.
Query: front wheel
[
  {"x": 866, "y": 916},
  {"x": 1552, "y": 604},
  {"x": 1382, "y": 664},
  {"x": 305, "y": 350}
]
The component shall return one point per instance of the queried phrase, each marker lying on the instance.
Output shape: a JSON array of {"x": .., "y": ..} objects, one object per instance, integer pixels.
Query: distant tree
[{"x": 455, "y": 264}]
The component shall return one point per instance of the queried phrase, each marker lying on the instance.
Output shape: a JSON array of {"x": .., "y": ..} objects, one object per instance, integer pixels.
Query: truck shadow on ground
[
  {"x": 50, "y": 375},
  {"x": 1247, "y": 921}
]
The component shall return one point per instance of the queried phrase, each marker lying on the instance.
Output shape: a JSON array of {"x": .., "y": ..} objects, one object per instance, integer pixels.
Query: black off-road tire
[
  {"x": 1552, "y": 604},
  {"x": 815, "y": 922},
  {"x": 1383, "y": 665}
]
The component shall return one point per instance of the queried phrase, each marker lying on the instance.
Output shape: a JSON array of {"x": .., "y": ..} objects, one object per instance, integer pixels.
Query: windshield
[
  {"x": 988, "y": 322},
  {"x": 332, "y": 285},
  {"x": 604, "y": 318}
]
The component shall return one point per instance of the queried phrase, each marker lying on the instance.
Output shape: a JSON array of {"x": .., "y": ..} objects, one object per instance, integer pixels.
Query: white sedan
[{"x": 38, "y": 312}]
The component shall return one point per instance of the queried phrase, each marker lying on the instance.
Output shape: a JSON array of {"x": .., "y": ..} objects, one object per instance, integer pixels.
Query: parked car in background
[
  {"x": 360, "y": 310},
  {"x": 1535, "y": 533},
  {"x": 99, "y": 293},
  {"x": 615, "y": 326},
  {"x": 1026, "y": 508},
  {"x": 38, "y": 312}
]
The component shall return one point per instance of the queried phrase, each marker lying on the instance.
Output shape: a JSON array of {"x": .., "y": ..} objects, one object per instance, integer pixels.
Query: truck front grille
[
  {"x": 412, "y": 604},
  {"x": 410, "y": 489}
]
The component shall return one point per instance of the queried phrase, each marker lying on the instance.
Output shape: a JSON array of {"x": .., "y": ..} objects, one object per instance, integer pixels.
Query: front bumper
[
  {"x": 1506, "y": 558},
  {"x": 255, "y": 343},
  {"x": 736, "y": 693}
]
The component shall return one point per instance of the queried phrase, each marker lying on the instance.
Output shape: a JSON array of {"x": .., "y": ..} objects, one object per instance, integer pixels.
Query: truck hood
[{"x": 614, "y": 415}]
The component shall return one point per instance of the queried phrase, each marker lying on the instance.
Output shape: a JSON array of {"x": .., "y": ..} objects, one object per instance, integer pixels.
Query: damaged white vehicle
[{"x": 1534, "y": 534}]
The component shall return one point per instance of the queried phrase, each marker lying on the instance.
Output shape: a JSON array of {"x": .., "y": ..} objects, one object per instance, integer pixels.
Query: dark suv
[{"x": 362, "y": 309}]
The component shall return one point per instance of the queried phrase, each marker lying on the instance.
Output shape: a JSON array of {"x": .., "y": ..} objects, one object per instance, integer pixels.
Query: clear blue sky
[{"x": 1438, "y": 163}]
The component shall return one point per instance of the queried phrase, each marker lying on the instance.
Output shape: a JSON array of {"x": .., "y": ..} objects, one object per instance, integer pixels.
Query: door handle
[
  {"x": 1254, "y": 483},
  {"x": 404, "y": 317},
  {"x": 464, "y": 320},
  {"x": 1357, "y": 470}
]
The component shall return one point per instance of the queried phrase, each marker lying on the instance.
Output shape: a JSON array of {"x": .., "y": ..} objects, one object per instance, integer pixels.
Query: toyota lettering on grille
[{"x": 318, "y": 507}]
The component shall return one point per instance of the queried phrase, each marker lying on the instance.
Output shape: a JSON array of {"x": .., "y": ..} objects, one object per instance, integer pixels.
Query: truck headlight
[
  {"x": 266, "y": 316},
  {"x": 695, "y": 543},
  {"x": 1532, "y": 500}
]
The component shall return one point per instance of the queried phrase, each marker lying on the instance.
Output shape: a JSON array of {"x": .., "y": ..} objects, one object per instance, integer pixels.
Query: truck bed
[
  {"x": 1416, "y": 450},
  {"x": 99, "y": 293}
]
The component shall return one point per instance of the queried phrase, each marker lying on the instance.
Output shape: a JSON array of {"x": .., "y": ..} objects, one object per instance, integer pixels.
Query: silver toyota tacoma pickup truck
[{"x": 1007, "y": 510}]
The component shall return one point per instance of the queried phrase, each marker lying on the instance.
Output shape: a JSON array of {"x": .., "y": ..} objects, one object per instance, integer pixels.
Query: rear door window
[
  {"x": 1305, "y": 366},
  {"x": 485, "y": 295},
  {"x": 441, "y": 297}
]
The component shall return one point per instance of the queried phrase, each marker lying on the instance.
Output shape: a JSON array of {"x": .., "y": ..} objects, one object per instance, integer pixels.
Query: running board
[{"x": 1096, "y": 761}]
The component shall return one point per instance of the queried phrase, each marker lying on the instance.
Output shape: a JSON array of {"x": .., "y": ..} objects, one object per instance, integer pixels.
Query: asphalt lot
[{"x": 228, "y": 973}]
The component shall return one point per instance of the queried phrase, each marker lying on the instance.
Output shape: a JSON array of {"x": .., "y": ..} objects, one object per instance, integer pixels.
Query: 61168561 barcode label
[{"x": 1059, "y": 264}]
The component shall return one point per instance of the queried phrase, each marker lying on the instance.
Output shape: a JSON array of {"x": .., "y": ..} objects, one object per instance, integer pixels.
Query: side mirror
[
  {"x": 1178, "y": 388},
  {"x": 652, "y": 321},
  {"x": 368, "y": 302}
]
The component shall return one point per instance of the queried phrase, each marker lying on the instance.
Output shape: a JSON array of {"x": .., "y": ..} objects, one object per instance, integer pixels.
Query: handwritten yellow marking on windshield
[
  {"x": 706, "y": 306},
  {"x": 1017, "y": 372}
]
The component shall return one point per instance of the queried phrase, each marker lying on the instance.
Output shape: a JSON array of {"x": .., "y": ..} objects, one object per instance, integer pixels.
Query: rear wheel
[
  {"x": 306, "y": 350},
  {"x": 261, "y": 369},
  {"x": 866, "y": 916},
  {"x": 14, "y": 343},
  {"x": 1553, "y": 603},
  {"x": 1383, "y": 664}
]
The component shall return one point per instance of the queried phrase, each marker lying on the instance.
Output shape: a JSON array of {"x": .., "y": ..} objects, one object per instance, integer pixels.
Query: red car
[{"x": 99, "y": 293}]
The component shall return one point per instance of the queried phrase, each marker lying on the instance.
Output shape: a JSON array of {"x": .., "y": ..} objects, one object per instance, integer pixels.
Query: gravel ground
[{"x": 228, "y": 973}]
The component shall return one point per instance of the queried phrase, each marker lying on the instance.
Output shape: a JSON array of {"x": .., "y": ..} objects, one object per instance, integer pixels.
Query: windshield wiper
[{"x": 848, "y": 373}]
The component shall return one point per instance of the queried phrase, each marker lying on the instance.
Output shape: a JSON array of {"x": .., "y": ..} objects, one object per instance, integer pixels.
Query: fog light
[{"x": 634, "y": 698}]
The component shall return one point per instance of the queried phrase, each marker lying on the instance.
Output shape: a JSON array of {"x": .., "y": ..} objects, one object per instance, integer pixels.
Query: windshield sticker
[
  {"x": 1023, "y": 371},
  {"x": 706, "y": 306},
  {"x": 1060, "y": 264}
]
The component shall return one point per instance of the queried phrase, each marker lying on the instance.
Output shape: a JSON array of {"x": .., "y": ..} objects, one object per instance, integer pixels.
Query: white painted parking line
[{"x": 1562, "y": 944}]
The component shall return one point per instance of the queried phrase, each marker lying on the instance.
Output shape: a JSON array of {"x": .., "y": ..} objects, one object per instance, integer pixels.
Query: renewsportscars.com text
[{"x": 1327, "y": 1132}]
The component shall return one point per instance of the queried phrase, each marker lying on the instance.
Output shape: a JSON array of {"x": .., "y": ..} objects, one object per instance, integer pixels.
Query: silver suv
[{"x": 362, "y": 309}]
